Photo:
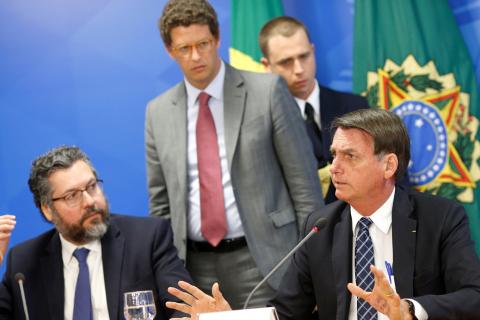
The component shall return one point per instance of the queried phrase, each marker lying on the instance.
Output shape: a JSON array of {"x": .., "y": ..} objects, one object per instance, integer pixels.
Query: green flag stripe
[
  {"x": 248, "y": 17},
  {"x": 426, "y": 30}
]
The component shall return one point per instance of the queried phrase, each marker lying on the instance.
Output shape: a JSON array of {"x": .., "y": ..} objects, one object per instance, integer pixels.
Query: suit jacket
[
  {"x": 137, "y": 254},
  {"x": 433, "y": 255},
  {"x": 334, "y": 104},
  {"x": 272, "y": 170}
]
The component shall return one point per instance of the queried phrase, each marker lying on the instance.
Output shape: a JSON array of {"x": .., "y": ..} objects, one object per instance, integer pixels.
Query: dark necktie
[
  {"x": 82, "y": 306},
  {"x": 212, "y": 206},
  {"x": 315, "y": 135},
  {"x": 364, "y": 257}
]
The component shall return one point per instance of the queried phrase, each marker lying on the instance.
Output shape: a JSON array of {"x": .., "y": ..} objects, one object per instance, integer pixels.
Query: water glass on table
[{"x": 139, "y": 305}]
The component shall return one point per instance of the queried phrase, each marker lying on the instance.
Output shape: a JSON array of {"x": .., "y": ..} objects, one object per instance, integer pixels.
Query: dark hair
[
  {"x": 184, "y": 13},
  {"x": 387, "y": 130},
  {"x": 62, "y": 157},
  {"x": 284, "y": 26}
]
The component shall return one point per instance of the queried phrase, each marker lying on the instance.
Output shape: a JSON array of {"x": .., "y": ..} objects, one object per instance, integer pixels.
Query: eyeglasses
[
  {"x": 186, "y": 50},
  {"x": 74, "y": 197}
]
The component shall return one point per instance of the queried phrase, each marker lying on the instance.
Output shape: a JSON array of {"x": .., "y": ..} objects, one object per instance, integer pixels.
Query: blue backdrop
[{"x": 81, "y": 72}]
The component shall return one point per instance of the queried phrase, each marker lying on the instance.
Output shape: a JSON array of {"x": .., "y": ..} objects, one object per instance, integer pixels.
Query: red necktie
[{"x": 212, "y": 207}]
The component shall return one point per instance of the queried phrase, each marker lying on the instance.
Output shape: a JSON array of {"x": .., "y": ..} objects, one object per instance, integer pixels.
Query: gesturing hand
[
  {"x": 195, "y": 301},
  {"x": 7, "y": 223},
  {"x": 383, "y": 298}
]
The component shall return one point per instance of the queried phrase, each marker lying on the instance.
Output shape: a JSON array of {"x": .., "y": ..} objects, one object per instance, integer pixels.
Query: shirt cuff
[{"x": 420, "y": 312}]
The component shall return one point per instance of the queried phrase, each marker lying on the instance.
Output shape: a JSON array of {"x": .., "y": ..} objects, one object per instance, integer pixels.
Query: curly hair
[
  {"x": 184, "y": 13},
  {"x": 62, "y": 157}
]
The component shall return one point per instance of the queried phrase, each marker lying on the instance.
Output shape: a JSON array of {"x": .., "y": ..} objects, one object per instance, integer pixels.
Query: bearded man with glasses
[{"x": 82, "y": 267}]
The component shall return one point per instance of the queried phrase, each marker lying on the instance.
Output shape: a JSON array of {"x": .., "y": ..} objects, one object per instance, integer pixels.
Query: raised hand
[
  {"x": 383, "y": 298},
  {"x": 7, "y": 223},
  {"x": 195, "y": 301}
]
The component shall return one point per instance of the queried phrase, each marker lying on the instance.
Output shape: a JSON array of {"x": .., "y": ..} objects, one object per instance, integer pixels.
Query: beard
[{"x": 77, "y": 232}]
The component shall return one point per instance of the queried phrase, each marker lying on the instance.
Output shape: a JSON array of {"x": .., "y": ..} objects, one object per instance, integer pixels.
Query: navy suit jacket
[
  {"x": 433, "y": 255},
  {"x": 334, "y": 104},
  {"x": 137, "y": 254}
]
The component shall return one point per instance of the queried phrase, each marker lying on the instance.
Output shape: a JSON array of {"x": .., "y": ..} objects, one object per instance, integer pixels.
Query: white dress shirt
[
  {"x": 97, "y": 281},
  {"x": 215, "y": 90},
  {"x": 314, "y": 100},
  {"x": 381, "y": 234}
]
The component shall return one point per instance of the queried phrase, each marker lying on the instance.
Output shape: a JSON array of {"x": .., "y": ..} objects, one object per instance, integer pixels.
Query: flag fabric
[
  {"x": 247, "y": 18},
  {"x": 410, "y": 57}
]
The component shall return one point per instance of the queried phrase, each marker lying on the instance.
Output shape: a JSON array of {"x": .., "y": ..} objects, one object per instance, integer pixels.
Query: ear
[
  {"x": 391, "y": 165},
  {"x": 47, "y": 212},
  {"x": 266, "y": 64},
  {"x": 217, "y": 41}
]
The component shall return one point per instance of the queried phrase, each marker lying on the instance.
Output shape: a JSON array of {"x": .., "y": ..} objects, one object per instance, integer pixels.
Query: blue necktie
[
  {"x": 82, "y": 307},
  {"x": 364, "y": 278}
]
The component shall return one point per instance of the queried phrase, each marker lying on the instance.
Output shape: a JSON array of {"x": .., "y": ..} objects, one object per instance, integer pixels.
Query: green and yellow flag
[
  {"x": 410, "y": 57},
  {"x": 248, "y": 17}
]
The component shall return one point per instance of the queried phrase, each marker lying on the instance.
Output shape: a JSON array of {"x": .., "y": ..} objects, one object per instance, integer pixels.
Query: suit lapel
[
  {"x": 342, "y": 261},
  {"x": 52, "y": 274},
  {"x": 113, "y": 244},
  {"x": 404, "y": 240},
  {"x": 233, "y": 108}
]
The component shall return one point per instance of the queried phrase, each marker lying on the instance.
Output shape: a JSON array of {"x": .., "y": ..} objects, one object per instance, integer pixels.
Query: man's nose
[
  {"x": 334, "y": 168},
  {"x": 297, "y": 66},
  {"x": 195, "y": 54},
  {"x": 87, "y": 198}
]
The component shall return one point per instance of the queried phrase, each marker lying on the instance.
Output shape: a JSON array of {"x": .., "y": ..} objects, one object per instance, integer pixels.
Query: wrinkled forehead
[
  {"x": 352, "y": 139},
  {"x": 74, "y": 177}
]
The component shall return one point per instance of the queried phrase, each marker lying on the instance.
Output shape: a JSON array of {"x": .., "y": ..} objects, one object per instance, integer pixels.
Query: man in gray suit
[{"x": 226, "y": 160}]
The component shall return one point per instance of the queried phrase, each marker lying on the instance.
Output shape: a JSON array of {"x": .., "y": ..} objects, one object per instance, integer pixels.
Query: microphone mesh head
[
  {"x": 19, "y": 277},
  {"x": 320, "y": 223}
]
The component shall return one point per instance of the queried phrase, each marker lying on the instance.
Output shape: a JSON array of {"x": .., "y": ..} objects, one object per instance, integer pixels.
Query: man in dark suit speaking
[
  {"x": 288, "y": 51},
  {"x": 417, "y": 245},
  {"x": 82, "y": 268}
]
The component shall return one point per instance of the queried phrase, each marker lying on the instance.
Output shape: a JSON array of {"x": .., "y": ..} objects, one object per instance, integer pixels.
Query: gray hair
[
  {"x": 387, "y": 130},
  {"x": 62, "y": 157}
]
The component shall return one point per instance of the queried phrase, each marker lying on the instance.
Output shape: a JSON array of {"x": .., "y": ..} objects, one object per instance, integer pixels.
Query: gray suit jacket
[{"x": 270, "y": 158}]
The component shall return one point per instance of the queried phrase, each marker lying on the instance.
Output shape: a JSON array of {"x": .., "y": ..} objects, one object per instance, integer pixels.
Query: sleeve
[
  {"x": 167, "y": 266},
  {"x": 295, "y": 298},
  {"x": 295, "y": 153},
  {"x": 6, "y": 298},
  {"x": 460, "y": 270},
  {"x": 157, "y": 188}
]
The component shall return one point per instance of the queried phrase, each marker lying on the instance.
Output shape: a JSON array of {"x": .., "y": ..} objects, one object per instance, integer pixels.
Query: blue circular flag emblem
[{"x": 428, "y": 140}]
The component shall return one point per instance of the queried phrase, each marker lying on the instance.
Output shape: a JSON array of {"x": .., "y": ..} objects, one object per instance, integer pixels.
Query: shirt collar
[
  {"x": 313, "y": 99},
  {"x": 68, "y": 248},
  {"x": 214, "y": 89},
  {"x": 382, "y": 217}
]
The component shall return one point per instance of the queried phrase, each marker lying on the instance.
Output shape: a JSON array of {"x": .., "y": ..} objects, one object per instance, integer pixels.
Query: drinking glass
[{"x": 139, "y": 305}]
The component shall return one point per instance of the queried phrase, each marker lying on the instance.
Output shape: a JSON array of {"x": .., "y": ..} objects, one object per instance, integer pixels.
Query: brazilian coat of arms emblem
[{"x": 444, "y": 151}]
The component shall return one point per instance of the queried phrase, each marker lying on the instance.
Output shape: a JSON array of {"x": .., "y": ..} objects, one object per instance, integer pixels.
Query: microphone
[
  {"x": 20, "y": 278},
  {"x": 320, "y": 223}
]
